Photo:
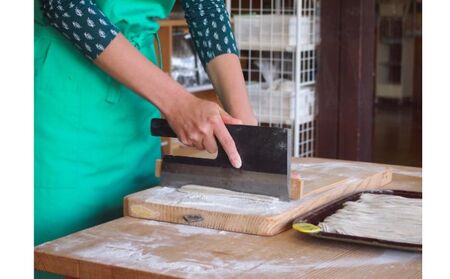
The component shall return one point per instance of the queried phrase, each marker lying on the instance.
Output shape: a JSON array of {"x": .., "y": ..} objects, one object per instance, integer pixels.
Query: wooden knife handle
[{"x": 161, "y": 128}]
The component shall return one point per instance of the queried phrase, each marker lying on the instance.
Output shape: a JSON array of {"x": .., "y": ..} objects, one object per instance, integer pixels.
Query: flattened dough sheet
[{"x": 385, "y": 217}]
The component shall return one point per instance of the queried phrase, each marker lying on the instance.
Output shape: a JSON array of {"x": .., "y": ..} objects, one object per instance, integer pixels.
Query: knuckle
[
  {"x": 187, "y": 143},
  {"x": 204, "y": 129},
  {"x": 194, "y": 138},
  {"x": 214, "y": 119},
  {"x": 214, "y": 148}
]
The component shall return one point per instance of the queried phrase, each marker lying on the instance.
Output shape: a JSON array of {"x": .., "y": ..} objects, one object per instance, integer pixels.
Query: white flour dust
[
  {"x": 161, "y": 247},
  {"x": 214, "y": 199},
  {"x": 204, "y": 263}
]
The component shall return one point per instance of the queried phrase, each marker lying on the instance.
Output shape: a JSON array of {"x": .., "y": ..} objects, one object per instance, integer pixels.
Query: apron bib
[{"x": 92, "y": 139}]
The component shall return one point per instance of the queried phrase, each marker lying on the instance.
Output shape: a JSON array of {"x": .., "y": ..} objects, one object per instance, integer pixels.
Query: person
[{"x": 92, "y": 113}]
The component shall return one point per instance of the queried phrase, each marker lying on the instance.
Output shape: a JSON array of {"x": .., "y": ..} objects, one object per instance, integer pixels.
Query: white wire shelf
[
  {"x": 278, "y": 42},
  {"x": 276, "y": 103},
  {"x": 273, "y": 32}
]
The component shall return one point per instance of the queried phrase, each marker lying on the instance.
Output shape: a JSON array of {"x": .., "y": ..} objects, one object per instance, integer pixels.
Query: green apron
[{"x": 92, "y": 141}]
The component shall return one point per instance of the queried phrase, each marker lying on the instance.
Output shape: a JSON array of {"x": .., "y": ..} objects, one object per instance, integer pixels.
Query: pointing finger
[{"x": 228, "y": 144}]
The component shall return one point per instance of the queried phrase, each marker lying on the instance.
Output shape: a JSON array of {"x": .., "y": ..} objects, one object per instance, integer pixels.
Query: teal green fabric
[{"x": 92, "y": 141}]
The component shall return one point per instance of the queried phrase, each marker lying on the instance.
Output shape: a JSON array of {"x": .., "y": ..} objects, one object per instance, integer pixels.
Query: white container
[
  {"x": 276, "y": 104},
  {"x": 273, "y": 32}
]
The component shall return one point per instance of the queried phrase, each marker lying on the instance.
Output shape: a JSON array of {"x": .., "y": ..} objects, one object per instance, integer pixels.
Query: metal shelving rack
[{"x": 278, "y": 49}]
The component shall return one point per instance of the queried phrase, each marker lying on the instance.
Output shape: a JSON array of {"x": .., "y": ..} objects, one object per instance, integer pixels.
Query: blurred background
[{"x": 345, "y": 76}]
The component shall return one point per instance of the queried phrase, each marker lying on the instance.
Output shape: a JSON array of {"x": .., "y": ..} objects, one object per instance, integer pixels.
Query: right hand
[{"x": 198, "y": 123}]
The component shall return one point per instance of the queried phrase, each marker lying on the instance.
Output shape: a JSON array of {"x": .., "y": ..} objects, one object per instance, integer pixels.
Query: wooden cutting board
[{"x": 323, "y": 181}]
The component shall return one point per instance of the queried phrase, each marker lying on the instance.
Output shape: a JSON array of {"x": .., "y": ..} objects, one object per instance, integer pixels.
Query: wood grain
[
  {"x": 315, "y": 182},
  {"x": 136, "y": 248},
  {"x": 296, "y": 184},
  {"x": 340, "y": 179},
  {"x": 345, "y": 82}
]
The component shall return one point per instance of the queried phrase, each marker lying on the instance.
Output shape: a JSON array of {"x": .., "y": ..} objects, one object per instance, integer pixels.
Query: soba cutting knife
[{"x": 266, "y": 162}]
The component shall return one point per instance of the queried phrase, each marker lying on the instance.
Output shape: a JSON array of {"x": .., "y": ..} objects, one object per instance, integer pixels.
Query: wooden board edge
[
  {"x": 379, "y": 180},
  {"x": 326, "y": 188},
  {"x": 263, "y": 225},
  {"x": 79, "y": 268},
  {"x": 99, "y": 270},
  {"x": 56, "y": 264},
  {"x": 375, "y": 181},
  {"x": 296, "y": 186},
  {"x": 210, "y": 219}
]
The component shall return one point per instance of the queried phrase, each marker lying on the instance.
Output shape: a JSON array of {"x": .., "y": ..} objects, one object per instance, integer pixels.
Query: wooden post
[
  {"x": 328, "y": 80},
  {"x": 165, "y": 37},
  {"x": 346, "y": 79}
]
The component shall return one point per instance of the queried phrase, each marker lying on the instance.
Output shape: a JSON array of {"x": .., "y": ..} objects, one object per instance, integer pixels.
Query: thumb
[{"x": 228, "y": 119}]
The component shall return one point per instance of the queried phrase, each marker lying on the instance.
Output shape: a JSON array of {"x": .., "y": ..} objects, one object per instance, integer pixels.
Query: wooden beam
[
  {"x": 357, "y": 79},
  {"x": 328, "y": 80},
  {"x": 346, "y": 80},
  {"x": 165, "y": 37}
]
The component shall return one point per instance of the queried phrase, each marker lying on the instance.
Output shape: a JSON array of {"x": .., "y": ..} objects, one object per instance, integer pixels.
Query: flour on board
[{"x": 215, "y": 199}]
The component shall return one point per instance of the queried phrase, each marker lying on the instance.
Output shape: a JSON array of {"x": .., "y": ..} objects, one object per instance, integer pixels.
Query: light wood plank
[
  {"x": 315, "y": 182},
  {"x": 141, "y": 249},
  {"x": 135, "y": 248},
  {"x": 264, "y": 218},
  {"x": 296, "y": 185}
]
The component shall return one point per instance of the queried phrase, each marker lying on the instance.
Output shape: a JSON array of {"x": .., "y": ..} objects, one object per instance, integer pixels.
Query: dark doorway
[
  {"x": 397, "y": 134},
  {"x": 369, "y": 81}
]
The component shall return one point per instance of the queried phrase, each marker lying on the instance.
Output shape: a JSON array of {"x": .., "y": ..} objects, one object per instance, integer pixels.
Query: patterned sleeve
[
  {"x": 81, "y": 22},
  {"x": 210, "y": 28}
]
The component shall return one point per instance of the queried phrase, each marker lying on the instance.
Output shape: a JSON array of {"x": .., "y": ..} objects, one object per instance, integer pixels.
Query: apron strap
[{"x": 160, "y": 61}]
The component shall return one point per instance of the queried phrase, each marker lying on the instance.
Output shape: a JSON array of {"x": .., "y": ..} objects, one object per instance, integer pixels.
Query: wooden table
[{"x": 134, "y": 248}]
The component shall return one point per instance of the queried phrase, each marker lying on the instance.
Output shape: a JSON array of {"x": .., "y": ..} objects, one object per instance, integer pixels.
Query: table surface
[{"x": 135, "y": 248}]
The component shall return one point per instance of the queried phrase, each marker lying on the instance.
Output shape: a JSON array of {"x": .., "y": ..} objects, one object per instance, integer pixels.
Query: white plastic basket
[
  {"x": 273, "y": 32},
  {"x": 278, "y": 106}
]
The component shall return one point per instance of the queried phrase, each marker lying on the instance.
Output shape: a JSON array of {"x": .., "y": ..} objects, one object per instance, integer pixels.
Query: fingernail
[{"x": 237, "y": 163}]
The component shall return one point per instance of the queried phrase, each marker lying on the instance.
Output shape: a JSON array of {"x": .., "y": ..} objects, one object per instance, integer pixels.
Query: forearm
[
  {"x": 85, "y": 25},
  {"x": 226, "y": 74},
  {"x": 210, "y": 27},
  {"x": 196, "y": 122},
  {"x": 125, "y": 63}
]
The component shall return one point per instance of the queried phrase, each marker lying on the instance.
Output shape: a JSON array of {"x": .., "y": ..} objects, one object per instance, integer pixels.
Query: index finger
[{"x": 227, "y": 142}]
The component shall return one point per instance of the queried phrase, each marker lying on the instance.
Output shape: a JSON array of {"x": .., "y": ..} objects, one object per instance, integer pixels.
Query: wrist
[
  {"x": 174, "y": 101},
  {"x": 248, "y": 120},
  {"x": 245, "y": 115}
]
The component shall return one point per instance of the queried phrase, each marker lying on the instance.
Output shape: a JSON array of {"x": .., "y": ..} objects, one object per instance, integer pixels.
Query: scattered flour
[
  {"x": 177, "y": 250},
  {"x": 387, "y": 257},
  {"x": 204, "y": 263},
  {"x": 340, "y": 167},
  {"x": 220, "y": 200},
  {"x": 213, "y": 199},
  {"x": 154, "y": 246}
]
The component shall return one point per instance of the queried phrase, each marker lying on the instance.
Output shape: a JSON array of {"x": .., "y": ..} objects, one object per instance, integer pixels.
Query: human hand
[{"x": 199, "y": 122}]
